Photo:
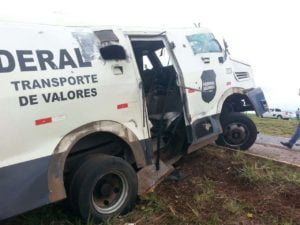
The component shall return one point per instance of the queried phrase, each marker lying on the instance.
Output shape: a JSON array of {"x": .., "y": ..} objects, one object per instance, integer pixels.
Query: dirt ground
[
  {"x": 218, "y": 190},
  {"x": 215, "y": 186}
]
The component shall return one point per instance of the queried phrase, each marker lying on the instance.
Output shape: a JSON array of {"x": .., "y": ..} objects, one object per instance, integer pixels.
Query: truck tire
[
  {"x": 103, "y": 187},
  {"x": 279, "y": 117},
  {"x": 239, "y": 131}
]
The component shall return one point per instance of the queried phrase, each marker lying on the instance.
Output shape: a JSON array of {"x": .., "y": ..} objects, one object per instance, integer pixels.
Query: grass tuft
[
  {"x": 151, "y": 203},
  {"x": 206, "y": 191},
  {"x": 267, "y": 171},
  {"x": 233, "y": 206}
]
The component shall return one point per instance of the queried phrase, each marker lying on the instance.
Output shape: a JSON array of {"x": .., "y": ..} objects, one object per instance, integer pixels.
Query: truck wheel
[
  {"x": 279, "y": 117},
  {"x": 103, "y": 186},
  {"x": 239, "y": 132}
]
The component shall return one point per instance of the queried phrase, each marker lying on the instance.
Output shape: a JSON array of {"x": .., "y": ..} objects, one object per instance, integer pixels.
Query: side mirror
[
  {"x": 225, "y": 44},
  {"x": 113, "y": 52},
  {"x": 226, "y": 51}
]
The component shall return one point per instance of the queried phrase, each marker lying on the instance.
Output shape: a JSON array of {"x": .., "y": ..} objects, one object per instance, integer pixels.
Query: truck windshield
[{"x": 204, "y": 43}]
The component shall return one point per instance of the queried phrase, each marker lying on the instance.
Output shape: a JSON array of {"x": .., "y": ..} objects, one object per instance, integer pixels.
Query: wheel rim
[
  {"x": 236, "y": 134},
  {"x": 110, "y": 192}
]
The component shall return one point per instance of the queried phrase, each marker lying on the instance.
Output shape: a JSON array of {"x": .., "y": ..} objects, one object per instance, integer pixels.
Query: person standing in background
[
  {"x": 293, "y": 139},
  {"x": 296, "y": 135}
]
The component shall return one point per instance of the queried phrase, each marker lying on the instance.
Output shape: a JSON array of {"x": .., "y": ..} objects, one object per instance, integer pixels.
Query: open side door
[{"x": 201, "y": 62}]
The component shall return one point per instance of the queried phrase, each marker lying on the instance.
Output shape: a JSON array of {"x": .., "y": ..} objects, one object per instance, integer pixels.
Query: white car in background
[{"x": 278, "y": 114}]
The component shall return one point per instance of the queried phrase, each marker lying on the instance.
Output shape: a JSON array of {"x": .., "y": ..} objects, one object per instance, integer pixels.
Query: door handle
[
  {"x": 117, "y": 70},
  {"x": 205, "y": 59}
]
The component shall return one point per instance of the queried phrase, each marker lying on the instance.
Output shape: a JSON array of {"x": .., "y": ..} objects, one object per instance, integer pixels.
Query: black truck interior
[{"x": 159, "y": 81}]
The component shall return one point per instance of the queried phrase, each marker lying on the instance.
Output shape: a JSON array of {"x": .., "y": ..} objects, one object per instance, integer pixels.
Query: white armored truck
[{"x": 98, "y": 115}]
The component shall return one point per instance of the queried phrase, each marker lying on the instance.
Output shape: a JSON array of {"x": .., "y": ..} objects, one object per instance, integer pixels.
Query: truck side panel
[{"x": 53, "y": 81}]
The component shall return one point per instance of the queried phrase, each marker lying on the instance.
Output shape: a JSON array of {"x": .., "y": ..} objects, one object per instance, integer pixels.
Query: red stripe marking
[
  {"x": 43, "y": 121},
  {"x": 122, "y": 106},
  {"x": 191, "y": 90},
  {"x": 228, "y": 83}
]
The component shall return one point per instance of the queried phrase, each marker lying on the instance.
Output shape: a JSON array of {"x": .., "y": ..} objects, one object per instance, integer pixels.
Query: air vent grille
[{"x": 242, "y": 75}]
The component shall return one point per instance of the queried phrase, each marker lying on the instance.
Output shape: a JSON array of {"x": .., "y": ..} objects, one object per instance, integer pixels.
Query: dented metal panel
[{"x": 89, "y": 45}]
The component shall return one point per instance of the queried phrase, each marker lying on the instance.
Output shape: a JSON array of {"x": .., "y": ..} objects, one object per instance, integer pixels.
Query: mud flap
[
  {"x": 257, "y": 98},
  {"x": 149, "y": 177}
]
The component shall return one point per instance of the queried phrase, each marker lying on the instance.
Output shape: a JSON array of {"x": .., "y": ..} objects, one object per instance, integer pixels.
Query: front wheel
[
  {"x": 103, "y": 187},
  {"x": 239, "y": 131}
]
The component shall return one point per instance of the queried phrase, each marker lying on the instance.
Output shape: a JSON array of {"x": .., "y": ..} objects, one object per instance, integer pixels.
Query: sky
[{"x": 262, "y": 33}]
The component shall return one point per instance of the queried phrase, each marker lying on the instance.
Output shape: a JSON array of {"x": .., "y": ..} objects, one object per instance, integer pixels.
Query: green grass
[
  {"x": 233, "y": 206},
  {"x": 206, "y": 191},
  {"x": 151, "y": 203},
  {"x": 266, "y": 171},
  {"x": 275, "y": 127}
]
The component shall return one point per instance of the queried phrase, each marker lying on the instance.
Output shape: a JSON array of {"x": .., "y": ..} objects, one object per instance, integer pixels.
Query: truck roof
[{"x": 131, "y": 30}]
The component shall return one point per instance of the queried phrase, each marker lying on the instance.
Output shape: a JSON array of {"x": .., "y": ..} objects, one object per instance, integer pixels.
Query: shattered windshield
[{"x": 203, "y": 43}]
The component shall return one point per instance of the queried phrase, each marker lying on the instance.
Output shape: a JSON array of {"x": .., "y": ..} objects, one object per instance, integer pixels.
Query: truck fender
[
  {"x": 255, "y": 96},
  {"x": 226, "y": 94},
  {"x": 57, "y": 163},
  {"x": 258, "y": 100}
]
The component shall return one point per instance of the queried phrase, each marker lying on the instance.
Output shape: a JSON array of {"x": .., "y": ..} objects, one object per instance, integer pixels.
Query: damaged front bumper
[{"x": 258, "y": 101}]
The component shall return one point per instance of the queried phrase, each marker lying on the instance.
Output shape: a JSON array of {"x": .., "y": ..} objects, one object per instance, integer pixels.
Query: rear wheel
[
  {"x": 103, "y": 187},
  {"x": 239, "y": 131}
]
